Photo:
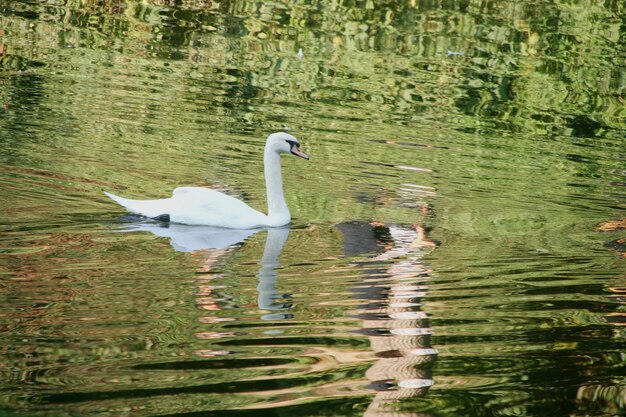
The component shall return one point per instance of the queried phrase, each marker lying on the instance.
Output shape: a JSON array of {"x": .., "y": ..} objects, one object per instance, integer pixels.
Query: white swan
[{"x": 203, "y": 206}]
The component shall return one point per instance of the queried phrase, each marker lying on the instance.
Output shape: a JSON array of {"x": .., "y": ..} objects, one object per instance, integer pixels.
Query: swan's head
[{"x": 282, "y": 142}]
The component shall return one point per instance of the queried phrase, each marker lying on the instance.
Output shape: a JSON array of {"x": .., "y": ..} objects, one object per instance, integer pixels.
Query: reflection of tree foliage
[
  {"x": 525, "y": 66},
  {"x": 186, "y": 69}
]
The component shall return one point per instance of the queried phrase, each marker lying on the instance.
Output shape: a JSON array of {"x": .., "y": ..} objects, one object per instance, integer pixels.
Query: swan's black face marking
[
  {"x": 162, "y": 218},
  {"x": 295, "y": 149}
]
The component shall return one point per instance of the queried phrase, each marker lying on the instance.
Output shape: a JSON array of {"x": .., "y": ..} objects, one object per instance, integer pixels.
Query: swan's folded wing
[
  {"x": 198, "y": 205},
  {"x": 208, "y": 199},
  {"x": 180, "y": 191}
]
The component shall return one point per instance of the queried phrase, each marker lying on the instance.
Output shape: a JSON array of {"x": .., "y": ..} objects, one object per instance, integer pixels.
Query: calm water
[{"x": 455, "y": 250}]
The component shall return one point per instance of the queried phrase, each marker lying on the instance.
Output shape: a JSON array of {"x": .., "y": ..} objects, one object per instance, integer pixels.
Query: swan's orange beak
[{"x": 296, "y": 151}]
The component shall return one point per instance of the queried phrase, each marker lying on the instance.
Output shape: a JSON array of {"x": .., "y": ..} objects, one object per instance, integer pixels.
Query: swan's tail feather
[{"x": 148, "y": 208}]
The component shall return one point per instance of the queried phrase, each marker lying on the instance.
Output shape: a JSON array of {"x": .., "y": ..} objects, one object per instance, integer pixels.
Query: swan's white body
[{"x": 203, "y": 206}]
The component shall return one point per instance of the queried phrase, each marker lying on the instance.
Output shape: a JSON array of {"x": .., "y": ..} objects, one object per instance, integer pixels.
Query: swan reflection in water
[
  {"x": 394, "y": 281},
  {"x": 394, "y": 278},
  {"x": 184, "y": 238},
  {"x": 215, "y": 243}
]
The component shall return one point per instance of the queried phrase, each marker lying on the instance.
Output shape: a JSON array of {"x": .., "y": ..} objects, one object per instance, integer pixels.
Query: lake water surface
[{"x": 456, "y": 246}]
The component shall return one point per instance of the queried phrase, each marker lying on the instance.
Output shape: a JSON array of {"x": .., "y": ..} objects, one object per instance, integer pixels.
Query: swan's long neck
[{"x": 277, "y": 210}]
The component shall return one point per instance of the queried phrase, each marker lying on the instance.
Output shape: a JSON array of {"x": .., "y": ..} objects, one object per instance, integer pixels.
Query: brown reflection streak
[
  {"x": 618, "y": 244},
  {"x": 610, "y": 397},
  {"x": 612, "y": 225},
  {"x": 401, "y": 370},
  {"x": 617, "y": 289},
  {"x": 208, "y": 259}
]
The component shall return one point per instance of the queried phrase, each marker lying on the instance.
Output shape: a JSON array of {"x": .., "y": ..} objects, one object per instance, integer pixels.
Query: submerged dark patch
[{"x": 162, "y": 218}]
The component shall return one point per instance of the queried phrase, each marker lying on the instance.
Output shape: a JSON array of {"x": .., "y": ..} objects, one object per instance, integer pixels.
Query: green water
[{"x": 448, "y": 253}]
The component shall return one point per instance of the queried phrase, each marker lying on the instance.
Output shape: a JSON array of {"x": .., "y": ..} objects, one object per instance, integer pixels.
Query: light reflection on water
[{"x": 465, "y": 207}]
